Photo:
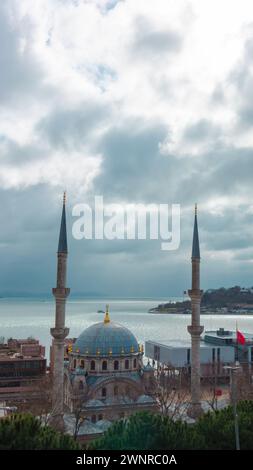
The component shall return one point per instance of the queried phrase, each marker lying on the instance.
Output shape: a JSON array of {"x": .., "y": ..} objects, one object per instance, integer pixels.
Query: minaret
[
  {"x": 59, "y": 332},
  {"x": 195, "y": 329}
]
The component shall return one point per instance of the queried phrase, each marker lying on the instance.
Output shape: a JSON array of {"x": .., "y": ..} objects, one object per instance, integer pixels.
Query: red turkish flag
[{"x": 240, "y": 337}]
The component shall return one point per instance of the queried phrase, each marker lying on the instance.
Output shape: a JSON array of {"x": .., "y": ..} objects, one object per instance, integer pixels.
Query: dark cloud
[
  {"x": 201, "y": 130},
  {"x": 149, "y": 43},
  {"x": 73, "y": 127}
]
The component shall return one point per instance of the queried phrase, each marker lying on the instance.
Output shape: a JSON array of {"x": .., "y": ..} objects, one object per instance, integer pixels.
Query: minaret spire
[
  {"x": 59, "y": 332},
  {"x": 195, "y": 329},
  {"x": 63, "y": 245},
  {"x": 195, "y": 241}
]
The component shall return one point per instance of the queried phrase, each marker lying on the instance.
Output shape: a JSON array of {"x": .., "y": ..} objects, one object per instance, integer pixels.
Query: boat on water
[{"x": 100, "y": 311}]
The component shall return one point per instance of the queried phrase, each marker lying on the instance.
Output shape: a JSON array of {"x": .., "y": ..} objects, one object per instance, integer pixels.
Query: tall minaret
[
  {"x": 59, "y": 332},
  {"x": 195, "y": 329}
]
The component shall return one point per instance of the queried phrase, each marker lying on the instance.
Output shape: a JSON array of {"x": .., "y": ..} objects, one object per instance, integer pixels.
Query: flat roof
[
  {"x": 230, "y": 335},
  {"x": 181, "y": 343}
]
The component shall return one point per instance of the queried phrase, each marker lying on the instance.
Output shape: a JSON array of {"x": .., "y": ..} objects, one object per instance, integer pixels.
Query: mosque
[
  {"x": 104, "y": 378},
  {"x": 105, "y": 375}
]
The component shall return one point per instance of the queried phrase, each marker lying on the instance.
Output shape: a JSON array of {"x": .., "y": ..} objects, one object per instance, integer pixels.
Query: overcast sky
[{"x": 141, "y": 101}]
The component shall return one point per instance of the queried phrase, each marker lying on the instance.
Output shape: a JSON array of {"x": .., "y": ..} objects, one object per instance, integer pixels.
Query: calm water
[{"x": 23, "y": 317}]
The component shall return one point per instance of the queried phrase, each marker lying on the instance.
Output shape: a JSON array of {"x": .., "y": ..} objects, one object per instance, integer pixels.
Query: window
[
  {"x": 116, "y": 365},
  {"x": 116, "y": 390},
  {"x": 74, "y": 363},
  {"x": 218, "y": 354},
  {"x": 157, "y": 353},
  {"x": 93, "y": 419},
  {"x": 80, "y": 385},
  {"x": 92, "y": 365},
  {"x": 82, "y": 364},
  {"x": 104, "y": 365},
  {"x": 103, "y": 392},
  {"x": 126, "y": 364},
  {"x": 188, "y": 356},
  {"x": 135, "y": 363},
  {"x": 213, "y": 355},
  {"x": 100, "y": 417}
]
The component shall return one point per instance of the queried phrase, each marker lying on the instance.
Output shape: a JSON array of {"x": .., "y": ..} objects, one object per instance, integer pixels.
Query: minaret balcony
[
  {"x": 195, "y": 293},
  {"x": 59, "y": 333},
  {"x": 195, "y": 330},
  {"x": 61, "y": 292}
]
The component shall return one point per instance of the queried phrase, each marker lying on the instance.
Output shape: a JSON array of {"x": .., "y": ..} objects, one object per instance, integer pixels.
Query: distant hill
[{"x": 231, "y": 298}]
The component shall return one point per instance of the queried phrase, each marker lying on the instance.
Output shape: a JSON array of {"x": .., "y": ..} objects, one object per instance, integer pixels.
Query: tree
[
  {"x": 144, "y": 431},
  {"x": 26, "y": 432},
  {"x": 215, "y": 430},
  {"x": 171, "y": 393}
]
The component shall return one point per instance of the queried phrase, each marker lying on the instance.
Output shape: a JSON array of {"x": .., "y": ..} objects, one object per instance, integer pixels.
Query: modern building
[
  {"x": 105, "y": 376},
  {"x": 218, "y": 348},
  {"x": 22, "y": 367}
]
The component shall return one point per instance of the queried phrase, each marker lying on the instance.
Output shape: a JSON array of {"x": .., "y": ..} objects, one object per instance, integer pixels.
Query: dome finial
[{"x": 107, "y": 316}]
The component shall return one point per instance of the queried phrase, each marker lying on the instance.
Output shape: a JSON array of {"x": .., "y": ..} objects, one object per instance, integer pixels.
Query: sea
[{"x": 23, "y": 317}]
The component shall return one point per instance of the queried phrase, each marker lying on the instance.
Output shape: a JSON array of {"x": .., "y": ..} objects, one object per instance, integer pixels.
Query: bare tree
[{"x": 171, "y": 393}]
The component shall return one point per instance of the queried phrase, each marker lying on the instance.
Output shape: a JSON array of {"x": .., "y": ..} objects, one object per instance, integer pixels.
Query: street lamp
[{"x": 233, "y": 387}]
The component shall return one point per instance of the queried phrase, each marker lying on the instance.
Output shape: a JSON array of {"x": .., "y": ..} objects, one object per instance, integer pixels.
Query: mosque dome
[{"x": 106, "y": 339}]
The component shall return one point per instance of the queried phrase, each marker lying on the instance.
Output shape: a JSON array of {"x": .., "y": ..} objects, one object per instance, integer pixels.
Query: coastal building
[
  {"x": 218, "y": 348},
  {"x": 22, "y": 367},
  {"x": 105, "y": 377}
]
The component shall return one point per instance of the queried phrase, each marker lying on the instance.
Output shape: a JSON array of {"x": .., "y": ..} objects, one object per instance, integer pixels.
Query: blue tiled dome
[{"x": 106, "y": 339}]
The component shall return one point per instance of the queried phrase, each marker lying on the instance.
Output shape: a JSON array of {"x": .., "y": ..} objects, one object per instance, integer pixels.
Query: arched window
[
  {"x": 82, "y": 364},
  {"x": 100, "y": 417},
  {"x": 126, "y": 364},
  {"x": 103, "y": 392},
  {"x": 104, "y": 365},
  {"x": 80, "y": 385},
  {"x": 116, "y": 365},
  {"x": 135, "y": 363},
  {"x": 92, "y": 365},
  {"x": 116, "y": 390},
  {"x": 74, "y": 363}
]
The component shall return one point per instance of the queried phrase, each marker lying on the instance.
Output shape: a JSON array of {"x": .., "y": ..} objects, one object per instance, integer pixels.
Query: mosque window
[
  {"x": 135, "y": 363},
  {"x": 116, "y": 390},
  {"x": 104, "y": 365},
  {"x": 92, "y": 365},
  {"x": 80, "y": 385},
  {"x": 104, "y": 392},
  {"x": 116, "y": 365},
  {"x": 126, "y": 364},
  {"x": 82, "y": 364}
]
